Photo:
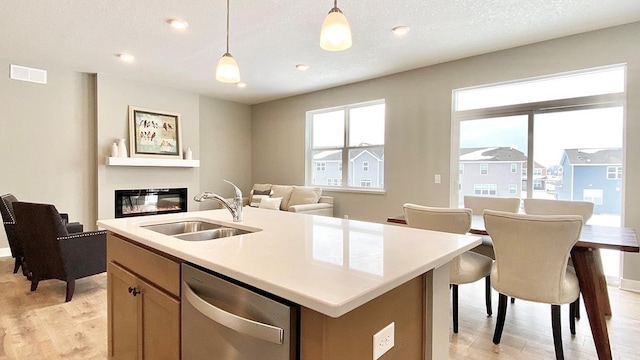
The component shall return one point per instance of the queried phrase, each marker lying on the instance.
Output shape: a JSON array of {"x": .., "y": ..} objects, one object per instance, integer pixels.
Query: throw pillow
[
  {"x": 305, "y": 195},
  {"x": 270, "y": 203},
  {"x": 257, "y": 196},
  {"x": 283, "y": 191},
  {"x": 259, "y": 187}
]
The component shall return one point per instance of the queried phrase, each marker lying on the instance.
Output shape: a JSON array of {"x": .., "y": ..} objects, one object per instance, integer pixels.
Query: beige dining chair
[
  {"x": 559, "y": 207},
  {"x": 532, "y": 253},
  {"x": 466, "y": 268},
  {"x": 478, "y": 204}
]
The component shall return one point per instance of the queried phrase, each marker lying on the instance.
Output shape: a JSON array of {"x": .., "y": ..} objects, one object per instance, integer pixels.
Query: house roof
[
  {"x": 336, "y": 155},
  {"x": 594, "y": 156},
  {"x": 489, "y": 154}
]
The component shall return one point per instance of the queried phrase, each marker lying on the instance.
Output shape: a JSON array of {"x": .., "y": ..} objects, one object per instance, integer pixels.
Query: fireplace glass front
[{"x": 141, "y": 202}]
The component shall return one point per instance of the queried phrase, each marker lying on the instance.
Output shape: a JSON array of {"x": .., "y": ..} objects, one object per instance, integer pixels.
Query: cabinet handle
[{"x": 133, "y": 291}]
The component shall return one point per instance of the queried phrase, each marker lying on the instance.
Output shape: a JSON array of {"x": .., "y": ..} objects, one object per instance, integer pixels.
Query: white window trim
[{"x": 345, "y": 149}]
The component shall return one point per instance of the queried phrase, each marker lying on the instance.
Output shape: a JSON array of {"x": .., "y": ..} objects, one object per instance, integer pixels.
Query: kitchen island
[{"x": 350, "y": 278}]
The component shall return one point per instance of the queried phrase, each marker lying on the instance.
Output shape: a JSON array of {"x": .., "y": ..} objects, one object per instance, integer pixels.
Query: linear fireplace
[{"x": 140, "y": 202}]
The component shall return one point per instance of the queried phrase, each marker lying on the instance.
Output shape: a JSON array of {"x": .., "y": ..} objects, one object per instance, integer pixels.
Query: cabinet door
[
  {"x": 122, "y": 312},
  {"x": 160, "y": 323}
]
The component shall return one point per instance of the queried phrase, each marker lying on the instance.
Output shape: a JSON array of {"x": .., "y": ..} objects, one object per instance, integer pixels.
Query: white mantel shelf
[{"x": 158, "y": 162}]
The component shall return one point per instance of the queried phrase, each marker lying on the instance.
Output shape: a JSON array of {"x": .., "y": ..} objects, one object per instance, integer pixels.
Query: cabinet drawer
[{"x": 157, "y": 269}]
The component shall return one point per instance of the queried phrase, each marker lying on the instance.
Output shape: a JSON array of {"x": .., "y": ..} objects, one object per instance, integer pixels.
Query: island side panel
[
  {"x": 351, "y": 335},
  {"x": 437, "y": 312}
]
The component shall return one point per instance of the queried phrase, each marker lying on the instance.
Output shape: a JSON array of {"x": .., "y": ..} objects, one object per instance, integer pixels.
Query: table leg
[
  {"x": 603, "y": 292},
  {"x": 584, "y": 262}
]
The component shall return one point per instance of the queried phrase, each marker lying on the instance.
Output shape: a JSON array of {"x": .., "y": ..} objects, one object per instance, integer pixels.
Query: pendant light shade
[
  {"x": 336, "y": 33},
  {"x": 227, "y": 70}
]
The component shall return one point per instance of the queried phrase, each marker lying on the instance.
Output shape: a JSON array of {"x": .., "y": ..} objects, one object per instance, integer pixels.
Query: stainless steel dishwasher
[{"x": 225, "y": 320}]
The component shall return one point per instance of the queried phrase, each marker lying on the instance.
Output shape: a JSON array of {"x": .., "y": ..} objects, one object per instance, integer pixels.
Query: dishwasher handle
[{"x": 242, "y": 325}]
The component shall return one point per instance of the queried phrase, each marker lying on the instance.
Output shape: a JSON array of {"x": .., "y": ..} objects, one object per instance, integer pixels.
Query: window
[
  {"x": 566, "y": 131},
  {"x": 538, "y": 185},
  {"x": 484, "y": 169},
  {"x": 485, "y": 189},
  {"x": 513, "y": 189},
  {"x": 614, "y": 172},
  {"x": 321, "y": 166},
  {"x": 461, "y": 169},
  {"x": 593, "y": 195},
  {"x": 514, "y": 168},
  {"x": 351, "y": 135}
]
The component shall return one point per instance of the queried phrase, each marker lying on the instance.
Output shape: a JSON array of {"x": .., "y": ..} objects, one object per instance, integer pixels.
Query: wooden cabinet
[{"x": 143, "y": 305}]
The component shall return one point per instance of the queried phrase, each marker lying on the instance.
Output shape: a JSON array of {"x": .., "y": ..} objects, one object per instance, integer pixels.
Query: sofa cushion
[
  {"x": 283, "y": 191},
  {"x": 270, "y": 203},
  {"x": 257, "y": 196},
  {"x": 304, "y": 195}
]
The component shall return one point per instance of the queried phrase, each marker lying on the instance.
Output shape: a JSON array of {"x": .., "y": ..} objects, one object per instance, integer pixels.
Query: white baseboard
[
  {"x": 5, "y": 252},
  {"x": 630, "y": 285}
]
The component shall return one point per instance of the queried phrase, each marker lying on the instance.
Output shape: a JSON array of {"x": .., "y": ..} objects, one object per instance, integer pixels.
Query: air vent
[{"x": 28, "y": 74}]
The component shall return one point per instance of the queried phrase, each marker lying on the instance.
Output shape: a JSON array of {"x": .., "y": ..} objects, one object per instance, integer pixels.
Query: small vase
[
  {"x": 122, "y": 149},
  {"x": 114, "y": 150},
  {"x": 188, "y": 155}
]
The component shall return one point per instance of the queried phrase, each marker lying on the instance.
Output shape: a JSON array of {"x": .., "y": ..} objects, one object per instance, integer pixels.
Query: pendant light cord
[{"x": 228, "y": 26}]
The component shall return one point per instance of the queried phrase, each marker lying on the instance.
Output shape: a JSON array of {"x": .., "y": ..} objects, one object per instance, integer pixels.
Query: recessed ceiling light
[
  {"x": 302, "y": 67},
  {"x": 127, "y": 57},
  {"x": 241, "y": 85},
  {"x": 400, "y": 30},
  {"x": 178, "y": 24}
]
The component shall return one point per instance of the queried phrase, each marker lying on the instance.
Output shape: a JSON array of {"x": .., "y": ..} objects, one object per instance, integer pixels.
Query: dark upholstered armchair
[
  {"x": 9, "y": 220},
  {"x": 53, "y": 253}
]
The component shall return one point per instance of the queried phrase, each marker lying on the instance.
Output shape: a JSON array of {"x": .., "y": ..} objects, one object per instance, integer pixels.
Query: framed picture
[{"x": 154, "y": 133}]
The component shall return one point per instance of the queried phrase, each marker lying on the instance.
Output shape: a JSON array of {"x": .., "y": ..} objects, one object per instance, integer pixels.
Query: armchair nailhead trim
[
  {"x": 84, "y": 234},
  {"x": 6, "y": 206},
  {"x": 8, "y": 222}
]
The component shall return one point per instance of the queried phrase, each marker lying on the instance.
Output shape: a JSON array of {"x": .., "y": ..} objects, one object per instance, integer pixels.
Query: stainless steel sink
[
  {"x": 196, "y": 230},
  {"x": 212, "y": 234},
  {"x": 182, "y": 227}
]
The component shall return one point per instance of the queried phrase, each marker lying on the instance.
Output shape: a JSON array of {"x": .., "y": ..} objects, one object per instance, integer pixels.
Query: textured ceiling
[{"x": 269, "y": 37}]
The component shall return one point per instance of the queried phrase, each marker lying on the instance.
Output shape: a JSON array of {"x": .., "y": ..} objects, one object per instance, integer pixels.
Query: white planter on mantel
[{"x": 158, "y": 162}]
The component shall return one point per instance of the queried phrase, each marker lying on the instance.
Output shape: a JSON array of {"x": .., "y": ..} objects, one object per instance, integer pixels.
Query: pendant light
[
  {"x": 336, "y": 33},
  {"x": 227, "y": 70}
]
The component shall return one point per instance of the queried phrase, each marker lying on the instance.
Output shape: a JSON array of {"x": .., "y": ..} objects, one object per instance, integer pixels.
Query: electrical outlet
[
  {"x": 383, "y": 340},
  {"x": 436, "y": 179}
]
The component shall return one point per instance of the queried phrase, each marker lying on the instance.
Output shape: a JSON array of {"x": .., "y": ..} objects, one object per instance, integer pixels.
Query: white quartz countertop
[{"x": 326, "y": 264}]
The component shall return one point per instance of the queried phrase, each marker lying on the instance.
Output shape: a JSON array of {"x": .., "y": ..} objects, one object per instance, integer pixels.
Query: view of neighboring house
[
  {"x": 539, "y": 177},
  {"x": 495, "y": 171},
  {"x": 592, "y": 175},
  {"x": 366, "y": 168}
]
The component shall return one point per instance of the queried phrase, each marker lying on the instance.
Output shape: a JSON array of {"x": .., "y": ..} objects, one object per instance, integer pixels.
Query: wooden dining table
[{"x": 587, "y": 263}]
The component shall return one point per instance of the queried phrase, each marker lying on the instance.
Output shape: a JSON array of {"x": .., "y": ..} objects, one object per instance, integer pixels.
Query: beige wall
[
  {"x": 418, "y": 127},
  {"x": 225, "y": 144},
  {"x": 48, "y": 147}
]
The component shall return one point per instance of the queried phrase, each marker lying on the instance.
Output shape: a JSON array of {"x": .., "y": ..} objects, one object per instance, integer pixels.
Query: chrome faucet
[{"x": 235, "y": 209}]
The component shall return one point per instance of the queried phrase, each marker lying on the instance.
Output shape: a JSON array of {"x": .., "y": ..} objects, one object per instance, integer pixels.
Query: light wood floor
[{"x": 40, "y": 325}]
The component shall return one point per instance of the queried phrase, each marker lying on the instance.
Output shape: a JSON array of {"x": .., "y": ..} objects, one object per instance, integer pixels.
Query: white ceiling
[{"x": 269, "y": 37}]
